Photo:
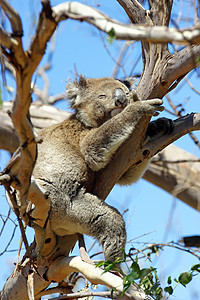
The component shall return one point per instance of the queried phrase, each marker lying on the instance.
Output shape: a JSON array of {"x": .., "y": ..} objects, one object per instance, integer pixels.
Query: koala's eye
[{"x": 102, "y": 96}]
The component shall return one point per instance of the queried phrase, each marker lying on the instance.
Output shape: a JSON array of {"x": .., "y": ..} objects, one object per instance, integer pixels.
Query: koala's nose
[{"x": 119, "y": 97}]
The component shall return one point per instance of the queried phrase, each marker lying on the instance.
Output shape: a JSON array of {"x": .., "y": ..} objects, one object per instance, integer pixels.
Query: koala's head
[{"x": 97, "y": 100}]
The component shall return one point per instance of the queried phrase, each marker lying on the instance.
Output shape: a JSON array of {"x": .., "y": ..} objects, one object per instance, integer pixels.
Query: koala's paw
[
  {"x": 151, "y": 107},
  {"x": 160, "y": 126}
]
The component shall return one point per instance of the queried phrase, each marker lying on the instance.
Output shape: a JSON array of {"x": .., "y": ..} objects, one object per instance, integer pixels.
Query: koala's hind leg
[{"x": 101, "y": 221}]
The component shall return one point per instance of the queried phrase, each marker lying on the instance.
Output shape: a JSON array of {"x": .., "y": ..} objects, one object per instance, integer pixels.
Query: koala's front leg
[
  {"x": 155, "y": 129},
  {"x": 101, "y": 143}
]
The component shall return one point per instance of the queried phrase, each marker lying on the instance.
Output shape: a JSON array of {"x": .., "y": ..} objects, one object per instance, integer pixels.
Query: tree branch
[
  {"x": 180, "y": 64},
  {"x": 63, "y": 266},
  {"x": 57, "y": 271},
  {"x": 153, "y": 34},
  {"x": 133, "y": 152},
  {"x": 7, "y": 40},
  {"x": 177, "y": 174},
  {"x": 13, "y": 17},
  {"x": 134, "y": 10}
]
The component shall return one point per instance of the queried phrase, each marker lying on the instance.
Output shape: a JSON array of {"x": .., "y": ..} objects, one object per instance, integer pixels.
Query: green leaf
[
  {"x": 169, "y": 280},
  {"x": 159, "y": 291},
  {"x": 129, "y": 279},
  {"x": 168, "y": 289},
  {"x": 154, "y": 288},
  {"x": 111, "y": 36},
  {"x": 124, "y": 254},
  {"x": 145, "y": 272},
  {"x": 136, "y": 268},
  {"x": 133, "y": 276},
  {"x": 99, "y": 264},
  {"x": 111, "y": 33},
  {"x": 110, "y": 267},
  {"x": 185, "y": 278},
  {"x": 196, "y": 268}
]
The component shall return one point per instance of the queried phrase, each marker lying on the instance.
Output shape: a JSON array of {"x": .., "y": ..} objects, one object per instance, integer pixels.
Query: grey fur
[{"x": 72, "y": 151}]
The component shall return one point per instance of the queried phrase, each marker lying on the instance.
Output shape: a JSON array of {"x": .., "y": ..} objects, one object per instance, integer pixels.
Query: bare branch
[
  {"x": 82, "y": 248},
  {"x": 191, "y": 86},
  {"x": 6, "y": 39},
  {"x": 41, "y": 117},
  {"x": 179, "y": 177},
  {"x": 63, "y": 266},
  {"x": 13, "y": 17},
  {"x": 153, "y": 34},
  {"x": 180, "y": 64},
  {"x": 134, "y": 10},
  {"x": 182, "y": 126},
  {"x": 195, "y": 140},
  {"x": 10, "y": 240},
  {"x": 77, "y": 295},
  {"x": 45, "y": 29},
  {"x": 133, "y": 152}
]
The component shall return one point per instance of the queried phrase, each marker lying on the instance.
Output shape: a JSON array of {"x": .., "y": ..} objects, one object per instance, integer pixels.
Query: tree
[{"x": 162, "y": 71}]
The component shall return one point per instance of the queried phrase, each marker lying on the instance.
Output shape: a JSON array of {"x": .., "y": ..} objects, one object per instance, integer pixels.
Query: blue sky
[{"x": 151, "y": 210}]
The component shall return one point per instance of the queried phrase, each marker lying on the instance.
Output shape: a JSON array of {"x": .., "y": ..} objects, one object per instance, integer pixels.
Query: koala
[
  {"x": 70, "y": 154},
  {"x": 105, "y": 115}
]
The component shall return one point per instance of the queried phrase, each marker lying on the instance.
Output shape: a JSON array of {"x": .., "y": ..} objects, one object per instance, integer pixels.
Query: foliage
[
  {"x": 147, "y": 278},
  {"x": 111, "y": 36}
]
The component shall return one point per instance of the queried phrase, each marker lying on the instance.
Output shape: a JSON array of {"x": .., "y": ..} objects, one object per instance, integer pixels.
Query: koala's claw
[
  {"x": 151, "y": 107},
  {"x": 157, "y": 104}
]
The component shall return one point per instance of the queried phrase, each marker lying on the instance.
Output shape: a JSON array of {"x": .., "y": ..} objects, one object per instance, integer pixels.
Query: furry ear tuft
[
  {"x": 74, "y": 89},
  {"x": 129, "y": 82},
  {"x": 82, "y": 82}
]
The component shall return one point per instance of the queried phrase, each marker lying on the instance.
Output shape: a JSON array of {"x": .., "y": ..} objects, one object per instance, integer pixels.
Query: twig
[
  {"x": 173, "y": 245},
  {"x": 193, "y": 137},
  {"x": 83, "y": 252},
  {"x": 157, "y": 161},
  {"x": 111, "y": 56},
  {"x": 4, "y": 221},
  {"x": 9, "y": 242},
  {"x": 7, "y": 40},
  {"x": 11, "y": 195},
  {"x": 177, "y": 113},
  {"x": 192, "y": 87},
  {"x": 119, "y": 60}
]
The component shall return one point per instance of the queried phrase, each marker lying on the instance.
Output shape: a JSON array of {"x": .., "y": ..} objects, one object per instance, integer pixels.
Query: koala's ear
[
  {"x": 74, "y": 90},
  {"x": 129, "y": 82}
]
